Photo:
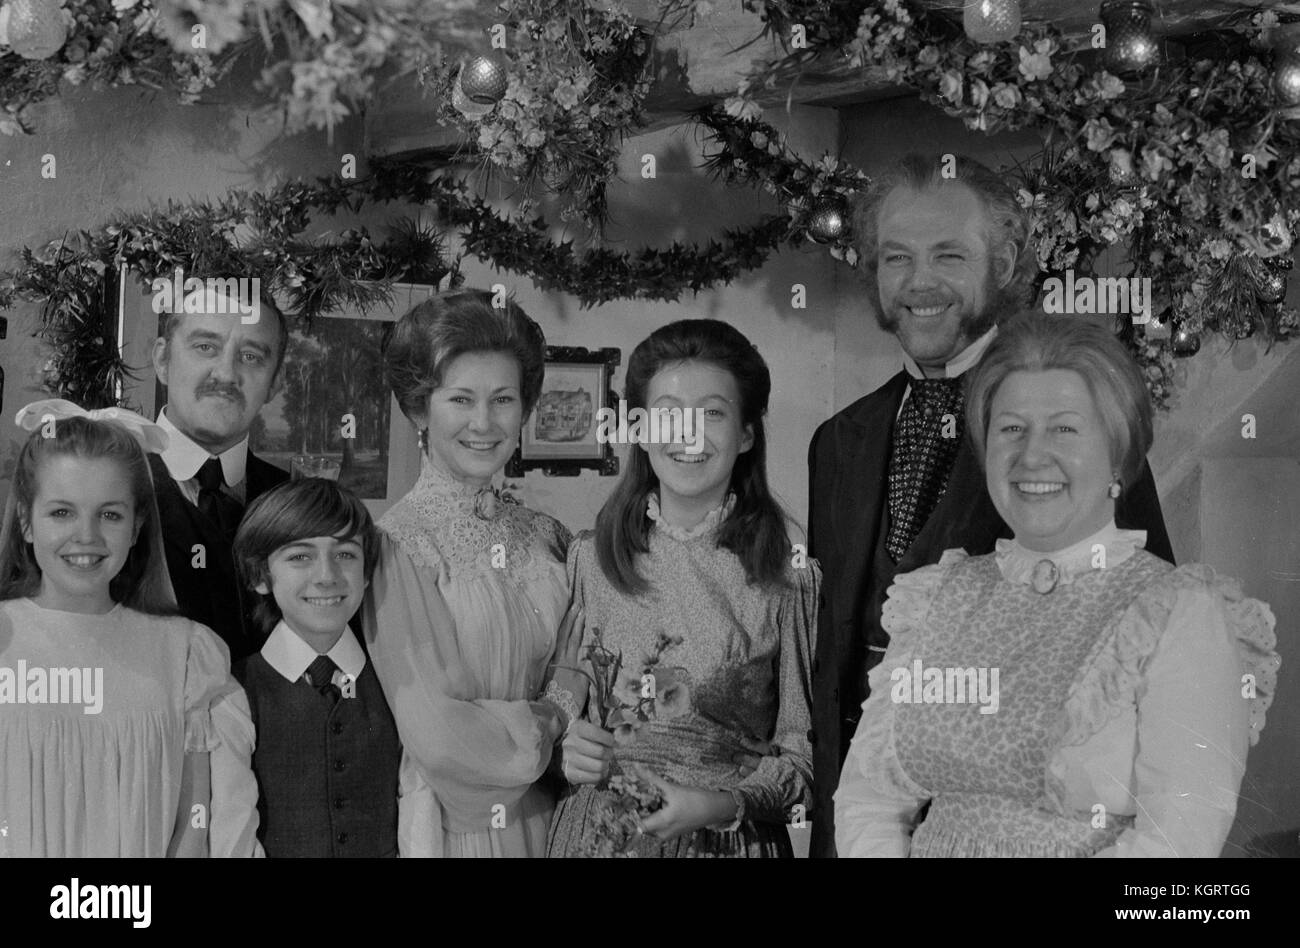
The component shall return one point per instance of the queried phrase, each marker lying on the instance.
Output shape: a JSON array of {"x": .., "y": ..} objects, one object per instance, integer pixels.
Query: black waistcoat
[{"x": 326, "y": 771}]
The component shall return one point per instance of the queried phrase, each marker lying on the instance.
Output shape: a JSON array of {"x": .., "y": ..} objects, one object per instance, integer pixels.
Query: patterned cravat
[
  {"x": 214, "y": 503},
  {"x": 922, "y": 458}
]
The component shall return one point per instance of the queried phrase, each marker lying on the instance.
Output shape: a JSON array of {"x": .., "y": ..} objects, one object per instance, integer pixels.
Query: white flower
[
  {"x": 743, "y": 108},
  {"x": 1038, "y": 64},
  {"x": 1027, "y": 200},
  {"x": 950, "y": 86},
  {"x": 1110, "y": 87},
  {"x": 1005, "y": 95}
]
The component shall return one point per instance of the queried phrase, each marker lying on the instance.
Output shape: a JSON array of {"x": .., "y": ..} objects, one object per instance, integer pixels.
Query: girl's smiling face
[
  {"x": 82, "y": 525},
  {"x": 698, "y": 480}
]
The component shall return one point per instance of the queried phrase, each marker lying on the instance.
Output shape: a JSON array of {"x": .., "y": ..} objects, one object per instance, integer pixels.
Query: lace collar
[
  {"x": 1045, "y": 571},
  {"x": 703, "y": 528},
  {"x": 435, "y": 484}
]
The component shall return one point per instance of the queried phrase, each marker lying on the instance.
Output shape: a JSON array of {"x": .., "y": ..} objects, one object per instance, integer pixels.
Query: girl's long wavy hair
[
  {"x": 143, "y": 583},
  {"x": 755, "y": 529}
]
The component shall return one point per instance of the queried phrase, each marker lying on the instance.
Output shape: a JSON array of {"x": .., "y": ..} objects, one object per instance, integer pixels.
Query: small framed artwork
[{"x": 559, "y": 436}]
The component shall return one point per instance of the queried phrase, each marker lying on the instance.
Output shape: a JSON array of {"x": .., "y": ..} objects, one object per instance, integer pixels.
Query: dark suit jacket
[
  {"x": 848, "y": 463},
  {"x": 211, "y": 595}
]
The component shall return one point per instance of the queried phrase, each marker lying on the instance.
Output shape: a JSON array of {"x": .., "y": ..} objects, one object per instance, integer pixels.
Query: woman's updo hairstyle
[
  {"x": 1033, "y": 342},
  {"x": 436, "y": 332}
]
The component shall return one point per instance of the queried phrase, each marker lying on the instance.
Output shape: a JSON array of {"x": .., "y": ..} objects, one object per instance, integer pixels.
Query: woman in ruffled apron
[{"x": 1069, "y": 694}]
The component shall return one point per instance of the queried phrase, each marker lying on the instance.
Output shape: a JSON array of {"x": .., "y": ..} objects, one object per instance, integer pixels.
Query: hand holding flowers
[{"x": 684, "y": 809}]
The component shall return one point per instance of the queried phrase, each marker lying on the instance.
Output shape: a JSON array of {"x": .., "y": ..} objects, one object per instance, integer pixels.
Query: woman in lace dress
[
  {"x": 1069, "y": 694},
  {"x": 462, "y": 613},
  {"x": 690, "y": 575}
]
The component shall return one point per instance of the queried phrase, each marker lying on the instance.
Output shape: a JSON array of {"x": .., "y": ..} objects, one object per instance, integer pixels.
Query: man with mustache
[
  {"x": 892, "y": 479},
  {"x": 219, "y": 371}
]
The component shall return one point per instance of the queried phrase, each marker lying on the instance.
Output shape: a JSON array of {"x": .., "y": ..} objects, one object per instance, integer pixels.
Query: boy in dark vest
[{"x": 327, "y": 750}]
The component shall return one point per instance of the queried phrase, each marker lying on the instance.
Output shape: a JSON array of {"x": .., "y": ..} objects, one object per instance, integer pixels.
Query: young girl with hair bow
[{"x": 122, "y": 731}]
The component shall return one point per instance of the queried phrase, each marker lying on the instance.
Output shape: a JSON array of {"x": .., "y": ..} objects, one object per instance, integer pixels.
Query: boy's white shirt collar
[
  {"x": 184, "y": 456},
  {"x": 290, "y": 655},
  {"x": 963, "y": 361}
]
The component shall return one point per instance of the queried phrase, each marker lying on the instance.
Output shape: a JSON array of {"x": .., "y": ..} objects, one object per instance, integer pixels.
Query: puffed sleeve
[
  {"x": 218, "y": 721},
  {"x": 207, "y": 679},
  {"x": 470, "y": 749},
  {"x": 419, "y": 818},
  {"x": 1202, "y": 700},
  {"x": 876, "y": 802},
  {"x": 784, "y": 780}
]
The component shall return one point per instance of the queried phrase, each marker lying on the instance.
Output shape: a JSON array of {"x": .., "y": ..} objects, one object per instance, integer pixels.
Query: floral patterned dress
[
  {"x": 738, "y": 660},
  {"x": 1121, "y": 723}
]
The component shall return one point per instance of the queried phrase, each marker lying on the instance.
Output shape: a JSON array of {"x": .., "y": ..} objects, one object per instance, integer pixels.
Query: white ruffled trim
[
  {"x": 1017, "y": 564},
  {"x": 902, "y": 616},
  {"x": 1116, "y": 668},
  {"x": 909, "y": 596},
  {"x": 703, "y": 528}
]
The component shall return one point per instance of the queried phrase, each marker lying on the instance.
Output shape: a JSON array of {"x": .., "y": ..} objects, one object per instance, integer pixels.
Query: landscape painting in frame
[{"x": 335, "y": 371}]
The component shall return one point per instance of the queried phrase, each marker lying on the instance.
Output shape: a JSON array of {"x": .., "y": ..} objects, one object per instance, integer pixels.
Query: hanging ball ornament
[
  {"x": 1185, "y": 343},
  {"x": 1286, "y": 66},
  {"x": 828, "y": 220},
  {"x": 1130, "y": 44},
  {"x": 991, "y": 21},
  {"x": 1157, "y": 327},
  {"x": 34, "y": 29},
  {"x": 483, "y": 80}
]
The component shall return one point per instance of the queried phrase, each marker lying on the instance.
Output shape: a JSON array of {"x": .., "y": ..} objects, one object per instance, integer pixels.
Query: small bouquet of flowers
[{"x": 626, "y": 699}]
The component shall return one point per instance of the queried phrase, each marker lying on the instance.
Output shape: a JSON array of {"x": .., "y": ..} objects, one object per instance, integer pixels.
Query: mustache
[
  {"x": 973, "y": 324},
  {"x": 227, "y": 391}
]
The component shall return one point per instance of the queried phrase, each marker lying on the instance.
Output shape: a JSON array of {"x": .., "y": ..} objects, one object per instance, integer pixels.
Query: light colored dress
[
  {"x": 743, "y": 669},
  {"x": 107, "y": 783},
  {"x": 1122, "y": 718},
  {"x": 460, "y": 621}
]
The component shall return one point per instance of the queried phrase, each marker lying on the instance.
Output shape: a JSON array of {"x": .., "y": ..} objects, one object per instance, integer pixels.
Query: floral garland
[
  {"x": 1155, "y": 165},
  {"x": 520, "y": 243},
  {"x": 246, "y": 234},
  {"x": 577, "y": 77},
  {"x": 1149, "y": 165},
  {"x": 261, "y": 234},
  {"x": 322, "y": 57}
]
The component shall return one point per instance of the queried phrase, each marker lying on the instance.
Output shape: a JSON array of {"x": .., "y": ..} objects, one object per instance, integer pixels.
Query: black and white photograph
[{"x": 342, "y": 519}]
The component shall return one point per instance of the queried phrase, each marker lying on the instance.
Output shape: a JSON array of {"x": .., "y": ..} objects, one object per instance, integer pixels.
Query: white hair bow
[{"x": 151, "y": 436}]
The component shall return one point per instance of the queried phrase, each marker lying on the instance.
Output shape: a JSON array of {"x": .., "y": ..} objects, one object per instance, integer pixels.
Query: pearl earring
[{"x": 1114, "y": 488}]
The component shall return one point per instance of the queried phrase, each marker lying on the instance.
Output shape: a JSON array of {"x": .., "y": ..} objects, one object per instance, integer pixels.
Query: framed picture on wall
[
  {"x": 331, "y": 384},
  {"x": 559, "y": 436}
]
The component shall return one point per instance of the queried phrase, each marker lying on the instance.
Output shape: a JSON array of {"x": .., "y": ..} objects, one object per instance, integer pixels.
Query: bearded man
[{"x": 892, "y": 480}]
